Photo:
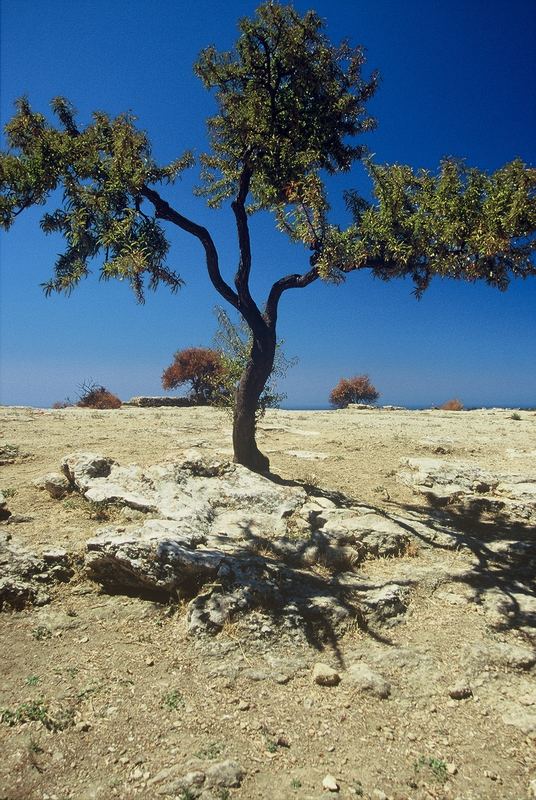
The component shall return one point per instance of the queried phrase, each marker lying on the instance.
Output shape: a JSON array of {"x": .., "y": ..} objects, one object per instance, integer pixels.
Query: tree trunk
[{"x": 249, "y": 390}]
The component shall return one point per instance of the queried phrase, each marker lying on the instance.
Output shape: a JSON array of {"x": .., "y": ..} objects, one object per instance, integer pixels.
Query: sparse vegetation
[
  {"x": 515, "y": 416},
  {"x": 8, "y": 493},
  {"x": 452, "y": 405},
  {"x": 436, "y": 766},
  {"x": 92, "y": 395},
  {"x": 36, "y": 711},
  {"x": 358, "y": 389},
  {"x": 41, "y": 632},
  {"x": 173, "y": 700},
  {"x": 211, "y": 751},
  {"x": 8, "y": 453}
]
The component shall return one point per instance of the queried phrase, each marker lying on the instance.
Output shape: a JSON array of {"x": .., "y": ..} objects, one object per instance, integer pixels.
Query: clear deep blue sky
[{"x": 458, "y": 78}]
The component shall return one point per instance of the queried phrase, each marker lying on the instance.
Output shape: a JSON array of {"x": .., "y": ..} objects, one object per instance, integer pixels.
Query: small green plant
[
  {"x": 41, "y": 632},
  {"x": 187, "y": 794},
  {"x": 173, "y": 700},
  {"x": 295, "y": 783},
  {"x": 32, "y": 680},
  {"x": 271, "y": 746},
  {"x": 36, "y": 711},
  {"x": 211, "y": 751},
  {"x": 34, "y": 747},
  {"x": 515, "y": 416},
  {"x": 8, "y": 493},
  {"x": 437, "y": 767}
]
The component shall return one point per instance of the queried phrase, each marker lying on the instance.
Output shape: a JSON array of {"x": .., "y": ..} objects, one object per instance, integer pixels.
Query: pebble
[
  {"x": 243, "y": 705},
  {"x": 460, "y": 691},
  {"x": 532, "y": 789},
  {"x": 149, "y": 662},
  {"x": 330, "y": 784},
  {"x": 452, "y": 769},
  {"x": 325, "y": 675}
]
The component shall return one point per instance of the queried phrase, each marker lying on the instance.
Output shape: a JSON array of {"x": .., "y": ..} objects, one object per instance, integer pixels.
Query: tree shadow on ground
[
  {"x": 503, "y": 550},
  {"x": 326, "y": 602}
]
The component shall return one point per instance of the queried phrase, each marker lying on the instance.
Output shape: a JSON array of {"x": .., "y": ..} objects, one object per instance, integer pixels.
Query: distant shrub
[
  {"x": 358, "y": 389},
  {"x": 95, "y": 396},
  {"x": 62, "y": 404},
  {"x": 202, "y": 368},
  {"x": 452, "y": 405}
]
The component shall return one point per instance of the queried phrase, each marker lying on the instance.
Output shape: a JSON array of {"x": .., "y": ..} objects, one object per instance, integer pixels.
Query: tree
[
  {"x": 358, "y": 389},
  {"x": 289, "y": 108},
  {"x": 202, "y": 368}
]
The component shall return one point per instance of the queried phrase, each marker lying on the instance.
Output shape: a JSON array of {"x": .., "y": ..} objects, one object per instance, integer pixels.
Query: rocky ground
[{"x": 359, "y": 624}]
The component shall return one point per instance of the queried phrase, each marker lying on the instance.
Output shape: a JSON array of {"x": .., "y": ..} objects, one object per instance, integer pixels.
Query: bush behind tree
[
  {"x": 201, "y": 367},
  {"x": 358, "y": 389},
  {"x": 233, "y": 342}
]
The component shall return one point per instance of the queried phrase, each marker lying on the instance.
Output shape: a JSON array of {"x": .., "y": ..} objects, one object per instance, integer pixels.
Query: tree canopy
[{"x": 291, "y": 107}]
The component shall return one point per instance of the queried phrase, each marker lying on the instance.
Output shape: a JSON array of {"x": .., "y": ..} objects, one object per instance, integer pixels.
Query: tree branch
[
  {"x": 246, "y": 305},
  {"x": 165, "y": 211},
  {"x": 295, "y": 281}
]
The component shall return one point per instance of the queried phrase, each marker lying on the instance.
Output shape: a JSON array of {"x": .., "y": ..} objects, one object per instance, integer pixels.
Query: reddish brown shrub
[
  {"x": 358, "y": 389},
  {"x": 452, "y": 405},
  {"x": 202, "y": 368},
  {"x": 94, "y": 396}
]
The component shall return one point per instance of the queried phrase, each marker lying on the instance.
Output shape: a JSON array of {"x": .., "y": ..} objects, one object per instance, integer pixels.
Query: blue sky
[{"x": 458, "y": 79}]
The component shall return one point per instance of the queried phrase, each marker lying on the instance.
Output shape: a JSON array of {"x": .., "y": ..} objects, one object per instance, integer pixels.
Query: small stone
[
  {"x": 368, "y": 681},
  {"x": 532, "y": 789},
  {"x": 282, "y": 741},
  {"x": 379, "y": 795},
  {"x": 243, "y": 705},
  {"x": 325, "y": 675},
  {"x": 491, "y": 775},
  {"x": 452, "y": 769},
  {"x": 330, "y": 784},
  {"x": 149, "y": 662},
  {"x": 460, "y": 691},
  {"x": 136, "y": 774},
  {"x": 82, "y": 726},
  {"x": 84, "y": 639},
  {"x": 226, "y": 774}
]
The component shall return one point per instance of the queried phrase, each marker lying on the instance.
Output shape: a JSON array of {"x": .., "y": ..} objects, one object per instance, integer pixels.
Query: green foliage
[
  {"x": 460, "y": 223},
  {"x": 36, "y": 711},
  {"x": 173, "y": 700},
  {"x": 101, "y": 170},
  {"x": 233, "y": 343},
  {"x": 436, "y": 766},
  {"x": 288, "y": 101}
]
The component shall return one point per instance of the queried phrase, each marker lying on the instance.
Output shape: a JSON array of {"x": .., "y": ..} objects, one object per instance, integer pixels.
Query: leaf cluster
[
  {"x": 459, "y": 223},
  {"x": 100, "y": 171},
  {"x": 288, "y": 101}
]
